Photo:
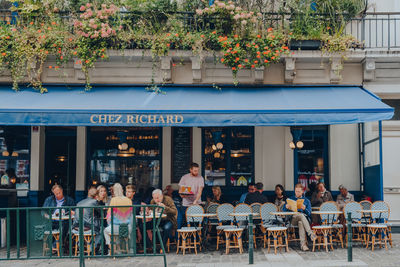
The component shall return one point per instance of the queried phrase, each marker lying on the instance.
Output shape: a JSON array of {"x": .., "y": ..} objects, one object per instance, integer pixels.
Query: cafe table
[
  {"x": 150, "y": 216},
  {"x": 328, "y": 213}
]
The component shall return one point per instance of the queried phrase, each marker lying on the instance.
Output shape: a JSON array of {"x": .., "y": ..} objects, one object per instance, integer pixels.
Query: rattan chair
[
  {"x": 366, "y": 205},
  {"x": 382, "y": 218},
  {"x": 267, "y": 219},
  {"x": 333, "y": 220},
  {"x": 359, "y": 228},
  {"x": 243, "y": 220},
  {"x": 223, "y": 216}
]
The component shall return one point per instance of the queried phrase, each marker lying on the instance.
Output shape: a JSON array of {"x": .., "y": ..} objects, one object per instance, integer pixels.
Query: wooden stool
[
  {"x": 117, "y": 245},
  {"x": 373, "y": 230},
  {"x": 87, "y": 239},
  {"x": 236, "y": 234},
  {"x": 56, "y": 237},
  {"x": 323, "y": 231},
  {"x": 170, "y": 243},
  {"x": 184, "y": 239},
  {"x": 280, "y": 238}
]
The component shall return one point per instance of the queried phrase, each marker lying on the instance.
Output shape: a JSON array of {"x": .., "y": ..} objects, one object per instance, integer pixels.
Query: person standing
[
  {"x": 302, "y": 219},
  {"x": 321, "y": 195},
  {"x": 196, "y": 182}
]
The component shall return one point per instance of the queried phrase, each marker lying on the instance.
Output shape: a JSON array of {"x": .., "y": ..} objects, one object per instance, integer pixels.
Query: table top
[
  {"x": 237, "y": 214},
  {"x": 315, "y": 208},
  {"x": 372, "y": 211},
  {"x": 283, "y": 213},
  {"x": 327, "y": 212},
  {"x": 202, "y": 215},
  {"x": 63, "y": 218},
  {"x": 150, "y": 216}
]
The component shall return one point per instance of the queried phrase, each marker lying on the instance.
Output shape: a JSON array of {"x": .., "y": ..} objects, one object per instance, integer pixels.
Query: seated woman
[
  {"x": 119, "y": 215},
  {"x": 280, "y": 197},
  {"x": 217, "y": 196}
]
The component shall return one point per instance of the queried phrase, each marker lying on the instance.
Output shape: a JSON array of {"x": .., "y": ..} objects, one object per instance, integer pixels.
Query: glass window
[
  {"x": 14, "y": 155},
  {"x": 228, "y": 157},
  {"x": 312, "y": 159},
  {"x": 126, "y": 156},
  {"x": 394, "y": 103}
]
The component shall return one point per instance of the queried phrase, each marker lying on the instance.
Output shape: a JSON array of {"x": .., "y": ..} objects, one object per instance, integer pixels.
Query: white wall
[
  {"x": 37, "y": 158},
  {"x": 344, "y": 157},
  {"x": 273, "y": 157},
  {"x": 166, "y": 156},
  {"x": 384, "y": 6},
  {"x": 81, "y": 139}
]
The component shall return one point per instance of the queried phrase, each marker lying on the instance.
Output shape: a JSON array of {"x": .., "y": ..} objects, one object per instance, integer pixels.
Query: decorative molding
[
  {"x": 290, "y": 69},
  {"x": 166, "y": 68},
  {"x": 336, "y": 69},
  {"x": 369, "y": 68},
  {"x": 259, "y": 75},
  {"x": 197, "y": 63}
]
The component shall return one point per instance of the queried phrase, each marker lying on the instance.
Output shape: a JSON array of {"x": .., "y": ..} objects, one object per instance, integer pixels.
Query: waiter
[{"x": 196, "y": 184}]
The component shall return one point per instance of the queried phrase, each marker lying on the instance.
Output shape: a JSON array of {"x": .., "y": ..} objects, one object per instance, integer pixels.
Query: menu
[{"x": 181, "y": 152}]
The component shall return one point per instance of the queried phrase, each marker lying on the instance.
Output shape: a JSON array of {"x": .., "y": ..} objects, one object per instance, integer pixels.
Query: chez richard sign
[{"x": 136, "y": 119}]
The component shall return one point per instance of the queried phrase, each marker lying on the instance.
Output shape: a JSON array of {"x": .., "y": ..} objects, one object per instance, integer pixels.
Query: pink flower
[
  {"x": 88, "y": 5},
  {"x": 82, "y": 8}
]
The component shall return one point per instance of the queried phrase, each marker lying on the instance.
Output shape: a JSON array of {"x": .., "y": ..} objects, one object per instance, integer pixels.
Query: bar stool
[
  {"x": 236, "y": 241},
  {"x": 184, "y": 239},
  {"x": 56, "y": 237},
  {"x": 375, "y": 229},
  {"x": 280, "y": 238},
  {"x": 87, "y": 239},
  {"x": 323, "y": 231}
]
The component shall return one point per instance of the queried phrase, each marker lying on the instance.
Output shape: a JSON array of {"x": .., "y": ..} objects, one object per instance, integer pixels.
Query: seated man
[
  {"x": 302, "y": 219},
  {"x": 320, "y": 196},
  {"x": 257, "y": 196},
  {"x": 251, "y": 188},
  {"x": 169, "y": 223},
  {"x": 344, "y": 197}
]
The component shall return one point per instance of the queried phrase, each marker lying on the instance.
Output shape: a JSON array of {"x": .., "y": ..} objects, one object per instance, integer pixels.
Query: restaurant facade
[{"x": 297, "y": 121}]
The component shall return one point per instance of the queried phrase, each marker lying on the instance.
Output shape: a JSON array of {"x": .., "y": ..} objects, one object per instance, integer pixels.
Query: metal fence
[
  {"x": 81, "y": 232},
  {"x": 375, "y": 30}
]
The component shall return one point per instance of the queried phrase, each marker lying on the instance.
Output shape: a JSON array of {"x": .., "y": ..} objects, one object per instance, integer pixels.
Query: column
[
  {"x": 38, "y": 138},
  {"x": 166, "y": 156},
  {"x": 81, "y": 143}
]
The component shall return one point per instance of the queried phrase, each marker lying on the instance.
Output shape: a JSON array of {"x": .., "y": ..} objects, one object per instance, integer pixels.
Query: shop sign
[{"x": 135, "y": 119}]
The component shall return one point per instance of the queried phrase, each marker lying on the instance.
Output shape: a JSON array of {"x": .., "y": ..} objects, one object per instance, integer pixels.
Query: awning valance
[{"x": 191, "y": 106}]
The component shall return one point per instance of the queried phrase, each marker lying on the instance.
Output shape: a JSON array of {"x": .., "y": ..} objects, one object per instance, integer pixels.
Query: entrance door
[{"x": 60, "y": 159}]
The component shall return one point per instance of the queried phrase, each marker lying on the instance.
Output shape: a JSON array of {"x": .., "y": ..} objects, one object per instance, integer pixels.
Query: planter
[{"x": 305, "y": 44}]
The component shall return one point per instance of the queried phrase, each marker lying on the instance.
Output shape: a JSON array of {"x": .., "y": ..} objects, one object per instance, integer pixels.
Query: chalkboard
[{"x": 181, "y": 152}]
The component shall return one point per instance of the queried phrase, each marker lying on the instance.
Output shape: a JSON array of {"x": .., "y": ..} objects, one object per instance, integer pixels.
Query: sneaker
[{"x": 304, "y": 248}]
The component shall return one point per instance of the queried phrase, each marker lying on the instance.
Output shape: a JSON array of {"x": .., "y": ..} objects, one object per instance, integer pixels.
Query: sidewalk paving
[{"x": 338, "y": 257}]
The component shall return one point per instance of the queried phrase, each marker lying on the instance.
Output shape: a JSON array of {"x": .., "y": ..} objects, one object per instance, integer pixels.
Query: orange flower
[
  {"x": 173, "y": 65},
  {"x": 246, "y": 60},
  {"x": 214, "y": 32},
  {"x": 222, "y": 60},
  {"x": 56, "y": 67},
  {"x": 7, "y": 37},
  {"x": 272, "y": 58},
  {"x": 233, "y": 68},
  {"x": 176, "y": 35},
  {"x": 256, "y": 46},
  {"x": 270, "y": 29},
  {"x": 31, "y": 23},
  {"x": 258, "y": 56},
  {"x": 53, "y": 23},
  {"x": 86, "y": 61},
  {"x": 39, "y": 31},
  {"x": 266, "y": 61},
  {"x": 75, "y": 52},
  {"x": 61, "y": 57},
  {"x": 237, "y": 59},
  {"x": 168, "y": 45},
  {"x": 252, "y": 66},
  {"x": 235, "y": 36},
  {"x": 240, "y": 66},
  {"x": 3, "y": 54},
  {"x": 258, "y": 52},
  {"x": 237, "y": 45},
  {"x": 46, "y": 52},
  {"x": 70, "y": 39},
  {"x": 49, "y": 28},
  {"x": 14, "y": 30},
  {"x": 50, "y": 67},
  {"x": 102, "y": 56},
  {"x": 255, "y": 61},
  {"x": 258, "y": 36},
  {"x": 202, "y": 36},
  {"x": 168, "y": 34}
]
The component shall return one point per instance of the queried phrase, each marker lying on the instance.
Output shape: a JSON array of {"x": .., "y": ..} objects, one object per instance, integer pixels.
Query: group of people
[{"x": 98, "y": 199}]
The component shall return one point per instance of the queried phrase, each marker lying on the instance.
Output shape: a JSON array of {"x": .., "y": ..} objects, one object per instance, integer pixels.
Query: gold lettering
[
  {"x": 118, "y": 120},
  {"x": 141, "y": 118},
  {"x": 92, "y": 118},
  {"x": 152, "y": 118},
  {"x": 170, "y": 119},
  {"x": 161, "y": 119},
  {"x": 129, "y": 119},
  {"x": 137, "y": 119},
  {"x": 176, "y": 118},
  {"x": 102, "y": 118},
  {"x": 110, "y": 118}
]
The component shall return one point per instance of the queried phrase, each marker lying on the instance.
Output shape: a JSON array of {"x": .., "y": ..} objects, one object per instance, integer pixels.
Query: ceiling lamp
[
  {"x": 299, "y": 144},
  {"x": 131, "y": 150},
  {"x": 5, "y": 153},
  {"x": 217, "y": 155},
  {"x": 220, "y": 145},
  {"x": 14, "y": 154}
]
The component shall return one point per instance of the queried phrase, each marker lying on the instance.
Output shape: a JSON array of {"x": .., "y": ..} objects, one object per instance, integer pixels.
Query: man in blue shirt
[
  {"x": 302, "y": 218},
  {"x": 250, "y": 189}
]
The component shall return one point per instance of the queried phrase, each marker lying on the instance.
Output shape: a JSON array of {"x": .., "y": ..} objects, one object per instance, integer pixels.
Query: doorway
[{"x": 60, "y": 159}]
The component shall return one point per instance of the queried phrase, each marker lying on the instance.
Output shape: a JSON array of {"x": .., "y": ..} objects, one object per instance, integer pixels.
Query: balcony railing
[{"x": 377, "y": 31}]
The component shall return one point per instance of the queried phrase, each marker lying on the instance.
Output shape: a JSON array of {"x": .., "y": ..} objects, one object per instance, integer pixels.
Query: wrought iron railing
[
  {"x": 66, "y": 232},
  {"x": 374, "y": 30}
]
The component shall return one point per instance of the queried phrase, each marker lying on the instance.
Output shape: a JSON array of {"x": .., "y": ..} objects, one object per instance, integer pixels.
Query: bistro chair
[
  {"x": 46, "y": 239},
  {"x": 87, "y": 239},
  {"x": 277, "y": 238},
  {"x": 236, "y": 241},
  {"x": 267, "y": 219},
  {"x": 193, "y": 221},
  {"x": 185, "y": 234},
  {"x": 242, "y": 221},
  {"x": 323, "y": 232},
  {"x": 359, "y": 228},
  {"x": 332, "y": 220},
  {"x": 223, "y": 216},
  {"x": 366, "y": 205},
  {"x": 382, "y": 218},
  {"x": 212, "y": 222}
]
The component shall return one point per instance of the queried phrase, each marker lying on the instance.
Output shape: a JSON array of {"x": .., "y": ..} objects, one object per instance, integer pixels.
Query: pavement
[{"x": 295, "y": 257}]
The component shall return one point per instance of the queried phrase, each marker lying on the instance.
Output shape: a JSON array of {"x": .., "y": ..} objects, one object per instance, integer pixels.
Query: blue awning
[{"x": 191, "y": 106}]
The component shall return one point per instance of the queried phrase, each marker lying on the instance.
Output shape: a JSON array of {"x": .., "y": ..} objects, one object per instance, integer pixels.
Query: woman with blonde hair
[
  {"x": 102, "y": 197},
  {"x": 217, "y": 195},
  {"x": 120, "y": 215}
]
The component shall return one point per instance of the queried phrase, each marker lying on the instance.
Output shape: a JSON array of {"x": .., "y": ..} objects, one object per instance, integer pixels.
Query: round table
[
  {"x": 208, "y": 215},
  {"x": 283, "y": 213},
  {"x": 150, "y": 216},
  {"x": 243, "y": 214}
]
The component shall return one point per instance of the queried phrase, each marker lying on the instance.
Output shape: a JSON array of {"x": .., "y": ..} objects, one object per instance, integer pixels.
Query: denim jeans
[{"x": 167, "y": 230}]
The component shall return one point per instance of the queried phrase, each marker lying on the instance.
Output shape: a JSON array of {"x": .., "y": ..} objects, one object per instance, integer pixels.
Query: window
[
  {"x": 14, "y": 155},
  {"x": 311, "y": 162},
  {"x": 394, "y": 103},
  {"x": 126, "y": 156},
  {"x": 228, "y": 156}
]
